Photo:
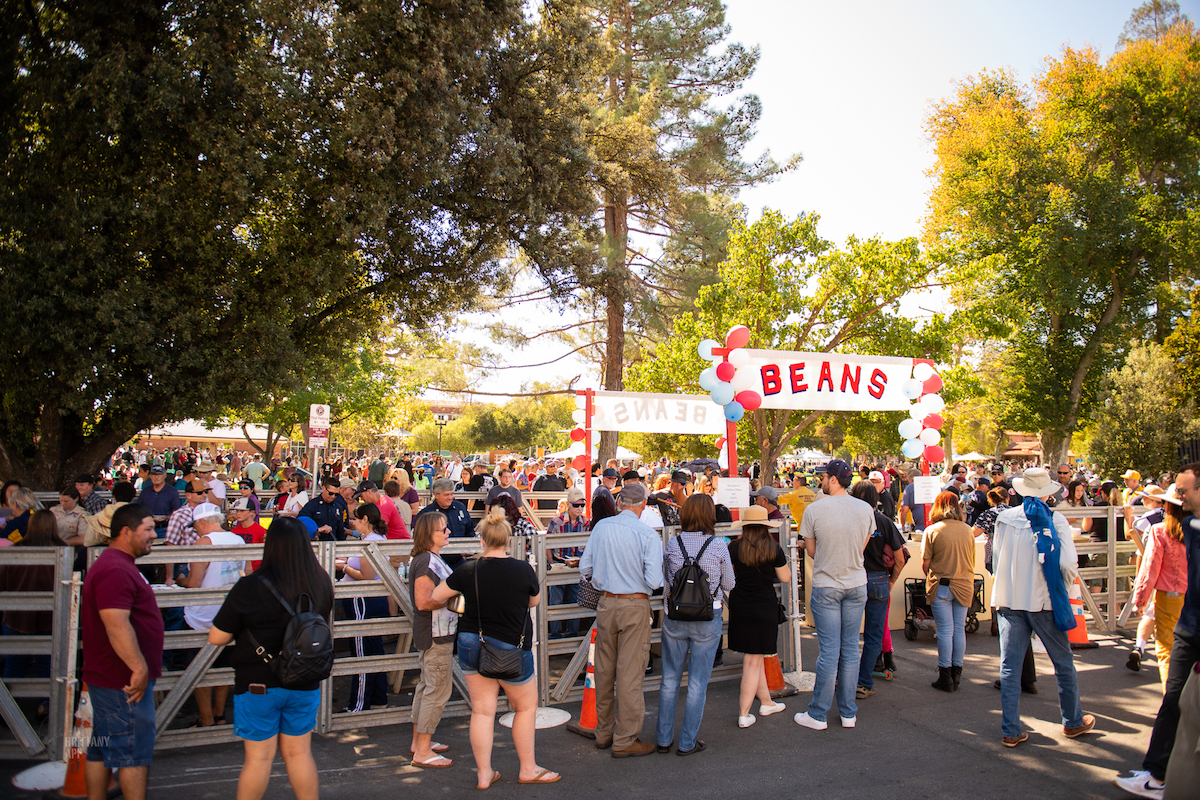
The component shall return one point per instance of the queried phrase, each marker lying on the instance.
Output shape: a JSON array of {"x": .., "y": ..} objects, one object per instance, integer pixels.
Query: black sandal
[{"x": 699, "y": 747}]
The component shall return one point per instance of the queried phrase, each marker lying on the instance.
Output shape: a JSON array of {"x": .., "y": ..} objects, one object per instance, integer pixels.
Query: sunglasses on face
[{"x": 579, "y": 505}]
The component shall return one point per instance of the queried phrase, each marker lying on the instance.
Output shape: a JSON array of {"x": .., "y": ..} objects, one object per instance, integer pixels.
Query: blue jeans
[
  {"x": 951, "y": 618},
  {"x": 874, "y": 622},
  {"x": 1015, "y": 630},
  {"x": 678, "y": 638},
  {"x": 122, "y": 732},
  {"x": 836, "y": 614},
  {"x": 562, "y": 595}
]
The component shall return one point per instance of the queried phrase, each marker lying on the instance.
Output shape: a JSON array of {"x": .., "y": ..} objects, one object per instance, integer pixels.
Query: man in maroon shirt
[{"x": 122, "y": 657}]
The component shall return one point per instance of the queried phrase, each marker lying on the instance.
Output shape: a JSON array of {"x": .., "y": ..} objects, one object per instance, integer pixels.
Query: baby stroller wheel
[
  {"x": 910, "y": 630},
  {"x": 972, "y": 624}
]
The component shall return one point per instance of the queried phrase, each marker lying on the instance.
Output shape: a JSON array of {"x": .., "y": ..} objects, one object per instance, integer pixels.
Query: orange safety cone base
[
  {"x": 586, "y": 726},
  {"x": 1078, "y": 636},
  {"x": 775, "y": 682}
]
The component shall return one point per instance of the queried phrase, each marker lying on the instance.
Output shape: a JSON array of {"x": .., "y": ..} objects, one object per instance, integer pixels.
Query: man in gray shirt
[
  {"x": 623, "y": 559},
  {"x": 835, "y": 532}
]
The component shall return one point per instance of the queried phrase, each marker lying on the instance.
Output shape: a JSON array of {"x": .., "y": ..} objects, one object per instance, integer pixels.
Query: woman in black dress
[{"x": 758, "y": 562}]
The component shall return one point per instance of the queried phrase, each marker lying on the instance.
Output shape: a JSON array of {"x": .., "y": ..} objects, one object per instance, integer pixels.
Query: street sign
[{"x": 318, "y": 416}]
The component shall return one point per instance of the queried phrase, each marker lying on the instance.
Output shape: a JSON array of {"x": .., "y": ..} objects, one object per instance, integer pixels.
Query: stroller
[{"x": 918, "y": 613}]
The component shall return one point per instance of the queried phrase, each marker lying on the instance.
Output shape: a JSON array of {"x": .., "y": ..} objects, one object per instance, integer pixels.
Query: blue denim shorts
[
  {"x": 259, "y": 717},
  {"x": 122, "y": 732},
  {"x": 468, "y": 656}
]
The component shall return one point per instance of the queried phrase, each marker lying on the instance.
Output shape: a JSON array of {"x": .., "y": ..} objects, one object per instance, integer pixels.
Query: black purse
[{"x": 502, "y": 665}]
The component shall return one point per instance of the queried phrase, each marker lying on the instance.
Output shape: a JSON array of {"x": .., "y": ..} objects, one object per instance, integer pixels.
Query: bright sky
[{"x": 848, "y": 86}]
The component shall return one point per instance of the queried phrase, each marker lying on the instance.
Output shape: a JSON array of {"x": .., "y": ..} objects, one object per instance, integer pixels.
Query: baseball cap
[
  {"x": 611, "y": 473},
  {"x": 819, "y": 469},
  {"x": 839, "y": 469},
  {"x": 205, "y": 466},
  {"x": 1132, "y": 473},
  {"x": 85, "y": 478},
  {"x": 983, "y": 481},
  {"x": 875, "y": 475},
  {"x": 997, "y": 469},
  {"x": 681, "y": 476},
  {"x": 157, "y": 470},
  {"x": 575, "y": 495},
  {"x": 366, "y": 486},
  {"x": 242, "y": 504},
  {"x": 768, "y": 492},
  {"x": 631, "y": 475},
  {"x": 197, "y": 487},
  {"x": 205, "y": 510},
  {"x": 346, "y": 483},
  {"x": 245, "y": 483}
]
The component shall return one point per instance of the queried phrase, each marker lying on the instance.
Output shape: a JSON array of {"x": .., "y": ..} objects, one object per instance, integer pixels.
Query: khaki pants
[
  {"x": 1166, "y": 613},
  {"x": 622, "y": 650},
  {"x": 1183, "y": 771},
  {"x": 433, "y": 690}
]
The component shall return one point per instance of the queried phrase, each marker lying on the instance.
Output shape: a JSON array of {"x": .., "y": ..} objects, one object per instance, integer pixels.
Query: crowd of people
[{"x": 856, "y": 525}]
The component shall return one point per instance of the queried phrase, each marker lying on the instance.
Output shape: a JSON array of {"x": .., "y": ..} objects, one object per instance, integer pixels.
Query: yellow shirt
[{"x": 797, "y": 500}]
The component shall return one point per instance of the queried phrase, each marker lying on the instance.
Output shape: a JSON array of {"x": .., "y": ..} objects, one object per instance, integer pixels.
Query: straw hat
[
  {"x": 1035, "y": 482},
  {"x": 755, "y": 515}
]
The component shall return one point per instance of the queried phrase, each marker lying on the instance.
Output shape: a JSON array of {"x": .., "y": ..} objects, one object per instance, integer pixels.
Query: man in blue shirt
[
  {"x": 1149, "y": 780},
  {"x": 159, "y": 498},
  {"x": 327, "y": 510},
  {"x": 623, "y": 559},
  {"x": 458, "y": 519}
]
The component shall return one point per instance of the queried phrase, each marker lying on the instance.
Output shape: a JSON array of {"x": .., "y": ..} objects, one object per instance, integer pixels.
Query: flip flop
[
  {"x": 219, "y": 721},
  {"x": 538, "y": 778},
  {"x": 495, "y": 777},
  {"x": 433, "y": 763},
  {"x": 436, "y": 747}
]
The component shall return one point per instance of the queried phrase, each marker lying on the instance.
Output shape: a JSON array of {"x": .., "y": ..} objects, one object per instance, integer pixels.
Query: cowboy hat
[
  {"x": 1035, "y": 482},
  {"x": 755, "y": 515}
]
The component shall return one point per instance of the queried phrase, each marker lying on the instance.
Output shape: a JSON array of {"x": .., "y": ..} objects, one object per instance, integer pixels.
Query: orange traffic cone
[
  {"x": 587, "y": 714},
  {"x": 1078, "y": 636},
  {"x": 75, "y": 784},
  {"x": 775, "y": 682}
]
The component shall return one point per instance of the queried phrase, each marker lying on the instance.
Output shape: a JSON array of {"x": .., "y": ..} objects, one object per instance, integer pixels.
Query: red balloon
[
  {"x": 720, "y": 442},
  {"x": 737, "y": 337},
  {"x": 934, "y": 452},
  {"x": 726, "y": 371},
  {"x": 933, "y": 421},
  {"x": 577, "y": 435},
  {"x": 933, "y": 385},
  {"x": 749, "y": 399},
  {"x": 580, "y": 463}
]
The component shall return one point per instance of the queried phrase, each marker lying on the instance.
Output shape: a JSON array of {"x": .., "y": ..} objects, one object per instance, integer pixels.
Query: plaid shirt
[
  {"x": 93, "y": 503},
  {"x": 562, "y": 524},
  {"x": 715, "y": 562},
  {"x": 179, "y": 526}
]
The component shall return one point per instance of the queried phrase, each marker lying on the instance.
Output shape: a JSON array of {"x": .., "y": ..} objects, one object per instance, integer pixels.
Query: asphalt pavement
[{"x": 911, "y": 741}]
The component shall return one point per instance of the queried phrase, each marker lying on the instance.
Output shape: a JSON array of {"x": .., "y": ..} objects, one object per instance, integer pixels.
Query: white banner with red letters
[
  {"x": 825, "y": 381},
  {"x": 646, "y": 412}
]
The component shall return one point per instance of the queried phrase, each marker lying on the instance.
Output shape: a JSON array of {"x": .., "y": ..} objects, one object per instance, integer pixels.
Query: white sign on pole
[
  {"x": 646, "y": 412},
  {"x": 925, "y": 489},
  {"x": 832, "y": 381},
  {"x": 318, "y": 415},
  {"x": 733, "y": 492}
]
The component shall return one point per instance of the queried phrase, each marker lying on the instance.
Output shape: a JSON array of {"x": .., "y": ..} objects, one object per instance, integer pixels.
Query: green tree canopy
[
  {"x": 1072, "y": 203},
  {"x": 199, "y": 195}
]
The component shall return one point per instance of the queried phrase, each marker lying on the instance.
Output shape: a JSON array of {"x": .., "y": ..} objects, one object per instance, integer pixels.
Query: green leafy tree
[
  {"x": 1071, "y": 203},
  {"x": 1142, "y": 419},
  {"x": 1183, "y": 345},
  {"x": 794, "y": 292},
  {"x": 200, "y": 195}
]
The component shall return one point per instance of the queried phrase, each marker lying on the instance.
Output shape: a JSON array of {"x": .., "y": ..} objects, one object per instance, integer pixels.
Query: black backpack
[
  {"x": 690, "y": 599},
  {"x": 306, "y": 655}
]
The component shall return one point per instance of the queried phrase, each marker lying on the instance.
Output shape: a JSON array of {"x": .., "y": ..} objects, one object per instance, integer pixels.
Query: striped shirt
[{"x": 715, "y": 562}]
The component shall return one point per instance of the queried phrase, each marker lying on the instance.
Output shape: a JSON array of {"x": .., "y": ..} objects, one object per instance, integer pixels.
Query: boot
[
  {"x": 944, "y": 682},
  {"x": 879, "y": 665},
  {"x": 955, "y": 676},
  {"x": 888, "y": 662}
]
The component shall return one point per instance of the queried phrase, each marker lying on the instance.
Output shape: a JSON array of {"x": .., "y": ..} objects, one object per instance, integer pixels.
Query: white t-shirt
[
  {"x": 296, "y": 503},
  {"x": 218, "y": 488},
  {"x": 840, "y": 525},
  {"x": 218, "y": 573}
]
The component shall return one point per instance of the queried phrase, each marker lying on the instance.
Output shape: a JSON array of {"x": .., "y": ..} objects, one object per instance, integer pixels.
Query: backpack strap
[{"x": 259, "y": 650}]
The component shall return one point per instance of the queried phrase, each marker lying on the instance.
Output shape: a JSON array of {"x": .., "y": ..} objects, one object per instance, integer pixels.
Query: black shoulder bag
[{"x": 502, "y": 665}]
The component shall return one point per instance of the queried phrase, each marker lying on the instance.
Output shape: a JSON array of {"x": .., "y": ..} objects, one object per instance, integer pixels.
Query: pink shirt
[{"x": 1164, "y": 566}]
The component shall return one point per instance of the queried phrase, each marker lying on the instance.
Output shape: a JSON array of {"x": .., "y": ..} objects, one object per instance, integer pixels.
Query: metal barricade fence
[
  {"x": 174, "y": 687},
  {"x": 1110, "y": 607}
]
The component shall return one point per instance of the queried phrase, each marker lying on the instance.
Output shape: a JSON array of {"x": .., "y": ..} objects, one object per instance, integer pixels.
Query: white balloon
[
  {"x": 705, "y": 349},
  {"x": 580, "y": 401},
  {"x": 917, "y": 411},
  {"x": 922, "y": 372},
  {"x": 933, "y": 403},
  {"x": 722, "y": 394},
  {"x": 739, "y": 358},
  {"x": 930, "y": 436},
  {"x": 745, "y": 379},
  {"x": 576, "y": 449},
  {"x": 708, "y": 379},
  {"x": 912, "y": 388},
  {"x": 578, "y": 416},
  {"x": 912, "y": 448},
  {"x": 909, "y": 429}
]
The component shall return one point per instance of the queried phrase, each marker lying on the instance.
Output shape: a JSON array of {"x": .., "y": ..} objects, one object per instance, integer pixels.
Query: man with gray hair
[
  {"x": 458, "y": 519},
  {"x": 206, "y": 521},
  {"x": 623, "y": 559}
]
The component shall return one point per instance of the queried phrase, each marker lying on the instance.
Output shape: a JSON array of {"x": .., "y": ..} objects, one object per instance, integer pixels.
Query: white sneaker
[
  {"x": 1140, "y": 784},
  {"x": 746, "y": 721},
  {"x": 848, "y": 722},
  {"x": 804, "y": 719},
  {"x": 766, "y": 711}
]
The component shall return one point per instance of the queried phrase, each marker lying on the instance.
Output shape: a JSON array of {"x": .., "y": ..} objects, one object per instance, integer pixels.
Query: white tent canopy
[
  {"x": 973, "y": 456},
  {"x": 195, "y": 430},
  {"x": 623, "y": 454},
  {"x": 807, "y": 455},
  {"x": 397, "y": 432}
]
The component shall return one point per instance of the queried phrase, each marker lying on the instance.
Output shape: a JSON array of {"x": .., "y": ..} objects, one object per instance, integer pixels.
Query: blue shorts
[
  {"x": 259, "y": 717},
  {"x": 122, "y": 732},
  {"x": 468, "y": 656}
]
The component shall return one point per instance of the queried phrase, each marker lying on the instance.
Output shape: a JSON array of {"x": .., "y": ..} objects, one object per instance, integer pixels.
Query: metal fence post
[
  {"x": 325, "y": 555},
  {"x": 541, "y": 629},
  {"x": 64, "y": 648}
]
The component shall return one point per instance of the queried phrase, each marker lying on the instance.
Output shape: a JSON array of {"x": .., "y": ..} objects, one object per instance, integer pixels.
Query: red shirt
[
  {"x": 114, "y": 582},
  {"x": 395, "y": 523},
  {"x": 252, "y": 534}
]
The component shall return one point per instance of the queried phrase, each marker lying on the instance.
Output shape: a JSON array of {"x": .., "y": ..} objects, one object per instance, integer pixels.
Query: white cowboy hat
[
  {"x": 755, "y": 515},
  {"x": 1035, "y": 482}
]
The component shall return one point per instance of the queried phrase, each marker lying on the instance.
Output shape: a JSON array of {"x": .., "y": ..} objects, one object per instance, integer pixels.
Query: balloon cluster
[
  {"x": 922, "y": 429},
  {"x": 718, "y": 379},
  {"x": 581, "y": 460}
]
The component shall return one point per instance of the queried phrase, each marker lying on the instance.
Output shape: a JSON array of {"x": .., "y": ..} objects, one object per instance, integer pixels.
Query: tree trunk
[
  {"x": 1055, "y": 447},
  {"x": 614, "y": 290},
  {"x": 947, "y": 442}
]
